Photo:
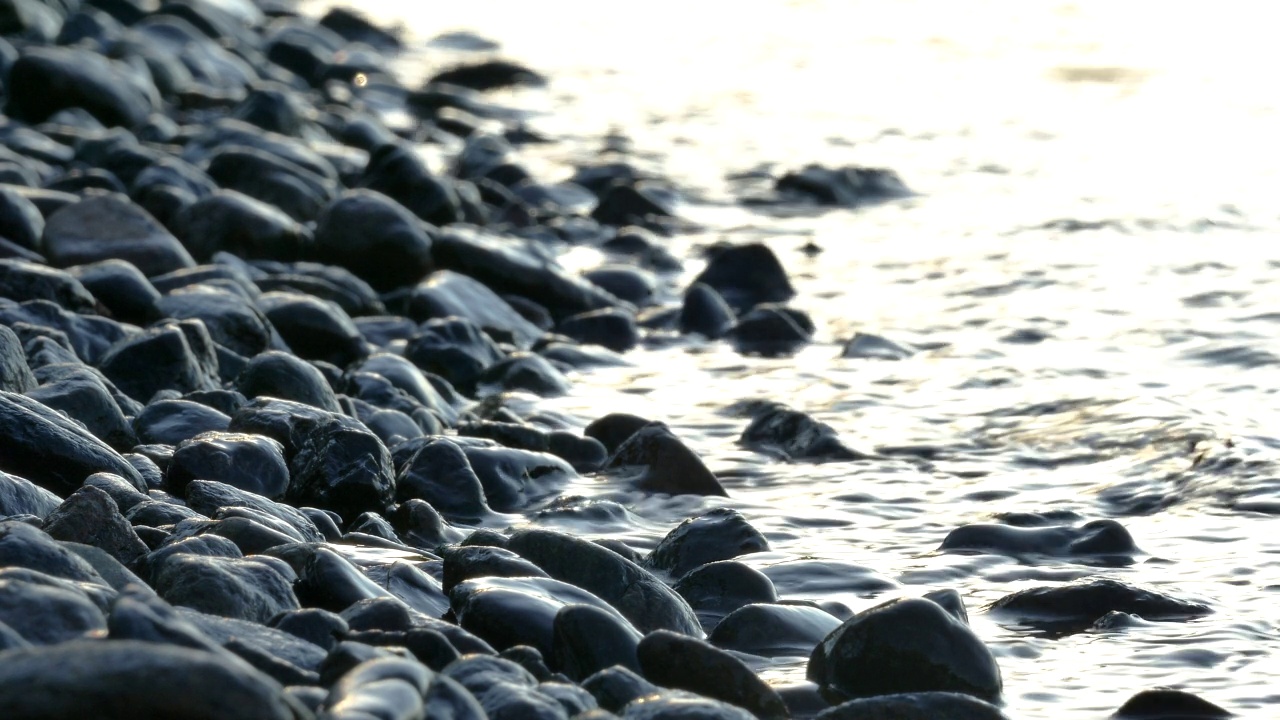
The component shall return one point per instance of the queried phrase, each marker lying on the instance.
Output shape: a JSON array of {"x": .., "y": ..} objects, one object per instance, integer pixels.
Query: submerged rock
[
  {"x": 746, "y": 276},
  {"x": 1168, "y": 704},
  {"x": 656, "y": 460},
  {"x": 1078, "y": 605},
  {"x": 1098, "y": 537},
  {"x": 678, "y": 661},
  {"x": 915, "y": 706},
  {"x": 790, "y": 434},
  {"x": 773, "y": 630},
  {"x": 721, "y": 534}
]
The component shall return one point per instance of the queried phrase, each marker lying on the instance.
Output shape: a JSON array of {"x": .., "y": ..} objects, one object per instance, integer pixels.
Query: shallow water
[{"x": 1088, "y": 257}]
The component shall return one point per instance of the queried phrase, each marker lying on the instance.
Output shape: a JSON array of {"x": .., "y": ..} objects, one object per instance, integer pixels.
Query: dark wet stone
[
  {"x": 202, "y": 546},
  {"x": 657, "y": 461},
  {"x": 129, "y": 678},
  {"x": 15, "y": 374},
  {"x": 489, "y": 75},
  {"x": 398, "y": 172},
  {"x": 45, "y": 611},
  {"x": 1098, "y": 537},
  {"x": 866, "y": 345},
  {"x": 405, "y": 376},
  {"x": 705, "y": 312},
  {"x": 281, "y": 375},
  {"x": 528, "y": 658},
  {"x": 523, "y": 371},
  {"x": 90, "y": 516},
  {"x": 455, "y": 349},
  {"x": 228, "y": 221},
  {"x": 915, "y": 706},
  {"x": 616, "y": 686},
  {"x": 172, "y": 356},
  {"x": 355, "y": 27},
  {"x": 467, "y": 562},
  {"x": 19, "y": 496},
  {"x": 241, "y": 635},
  {"x": 614, "y": 429},
  {"x": 513, "y": 479},
  {"x": 446, "y": 698},
  {"x": 685, "y": 663},
  {"x": 447, "y": 294},
  {"x": 504, "y": 689},
  {"x": 342, "y": 468},
  {"x": 769, "y": 332},
  {"x": 21, "y": 280},
  {"x": 319, "y": 627},
  {"x": 125, "y": 495},
  {"x": 314, "y": 329},
  {"x": 374, "y": 237},
  {"x": 950, "y": 601},
  {"x": 422, "y": 526},
  {"x": 792, "y": 435},
  {"x": 169, "y": 422},
  {"x": 51, "y": 450},
  {"x": 773, "y": 630},
  {"x": 643, "y": 599},
  {"x": 928, "y": 649},
  {"x": 122, "y": 288},
  {"x": 154, "y": 514},
  {"x": 253, "y": 463},
  {"x": 88, "y": 336},
  {"x": 1080, "y": 604},
  {"x": 580, "y": 357},
  {"x": 627, "y": 283},
  {"x": 746, "y": 276},
  {"x": 576, "y": 702},
  {"x": 228, "y": 277},
  {"x": 102, "y": 227},
  {"x": 85, "y": 396},
  {"x": 227, "y": 587},
  {"x": 1168, "y": 704},
  {"x": 587, "y": 640},
  {"x": 45, "y": 80},
  {"x": 20, "y": 219},
  {"x": 847, "y": 186},
  {"x": 624, "y": 204},
  {"x": 254, "y": 533},
  {"x": 499, "y": 262},
  {"x": 231, "y": 318},
  {"x": 209, "y": 497},
  {"x": 285, "y": 421},
  {"x": 721, "y": 534},
  {"x": 518, "y": 611},
  {"x": 585, "y": 454},
  {"x": 676, "y": 705},
  {"x": 381, "y": 687},
  {"x": 611, "y": 328},
  {"x": 807, "y": 575}
]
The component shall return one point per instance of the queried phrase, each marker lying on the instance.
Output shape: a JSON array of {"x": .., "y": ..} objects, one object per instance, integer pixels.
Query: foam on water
[{"x": 1089, "y": 263}]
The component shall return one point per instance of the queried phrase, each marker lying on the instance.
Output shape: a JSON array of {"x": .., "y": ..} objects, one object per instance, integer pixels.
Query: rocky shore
[{"x": 262, "y": 313}]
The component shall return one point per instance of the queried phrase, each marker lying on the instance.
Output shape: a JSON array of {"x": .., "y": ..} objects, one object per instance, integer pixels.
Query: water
[{"x": 1090, "y": 254}]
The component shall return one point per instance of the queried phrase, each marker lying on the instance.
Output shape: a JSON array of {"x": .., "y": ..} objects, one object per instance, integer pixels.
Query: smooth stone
[
  {"x": 1078, "y": 605},
  {"x": 446, "y": 698},
  {"x": 489, "y": 75},
  {"x": 280, "y": 375},
  {"x": 122, "y": 288},
  {"x": 172, "y": 356},
  {"x": 586, "y": 640},
  {"x": 406, "y": 376},
  {"x": 504, "y": 689},
  {"x": 318, "y": 627},
  {"x": 374, "y": 237},
  {"x": 90, "y": 516},
  {"x": 927, "y": 648},
  {"x": 227, "y": 132},
  {"x": 703, "y": 311},
  {"x": 381, "y": 687},
  {"x": 253, "y": 463},
  {"x": 45, "y": 80},
  {"x": 285, "y": 421},
  {"x": 398, "y": 172},
  {"x": 454, "y": 348},
  {"x": 654, "y": 459},
  {"x": 87, "y": 336},
  {"x": 21, "y": 280},
  {"x": 746, "y": 276},
  {"x": 170, "y": 422},
  {"x": 868, "y": 346},
  {"x": 716, "y": 589},
  {"x": 109, "y": 226},
  {"x": 644, "y": 600},
  {"x": 915, "y": 706},
  {"x": 45, "y": 613},
  {"x": 422, "y": 526},
  {"x": 152, "y": 513},
  {"x": 848, "y": 186},
  {"x": 446, "y": 294},
  {"x": 514, "y": 479},
  {"x": 773, "y": 630},
  {"x": 496, "y": 261},
  {"x": 228, "y": 587},
  {"x": 232, "y": 320},
  {"x": 20, "y": 219},
  {"x": 1098, "y": 537},
  {"x": 685, "y": 663},
  {"x": 315, "y": 329},
  {"x": 720, "y": 534},
  {"x": 228, "y": 221},
  {"x": 769, "y": 331},
  {"x": 129, "y": 679},
  {"x": 202, "y": 545},
  {"x": 611, "y": 328},
  {"x": 51, "y": 450},
  {"x": 325, "y": 282},
  {"x": 674, "y": 705},
  {"x": 25, "y": 546},
  {"x": 238, "y": 635},
  {"x": 811, "y": 576},
  {"x": 576, "y": 702},
  {"x": 19, "y": 496},
  {"x": 616, "y": 686},
  {"x": 519, "y": 611},
  {"x": 1168, "y": 704},
  {"x": 208, "y": 497},
  {"x": 83, "y": 395},
  {"x": 523, "y": 371},
  {"x": 625, "y": 204},
  {"x": 634, "y": 285},
  {"x": 613, "y": 429},
  {"x": 467, "y": 562},
  {"x": 792, "y": 435},
  {"x": 298, "y": 192}
]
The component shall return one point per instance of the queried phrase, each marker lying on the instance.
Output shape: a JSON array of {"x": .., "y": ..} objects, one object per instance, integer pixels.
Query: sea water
[{"x": 1087, "y": 263}]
